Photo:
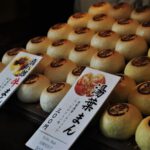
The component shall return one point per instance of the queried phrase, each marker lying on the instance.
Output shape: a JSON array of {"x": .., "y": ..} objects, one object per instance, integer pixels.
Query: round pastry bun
[
  {"x": 105, "y": 59},
  {"x": 60, "y": 48},
  {"x": 120, "y": 121},
  {"x": 2, "y": 66},
  {"x": 105, "y": 40},
  {"x": 81, "y": 35},
  {"x": 81, "y": 54},
  {"x": 140, "y": 97},
  {"x": 38, "y": 44},
  {"x": 52, "y": 95},
  {"x": 45, "y": 61},
  {"x": 10, "y": 54},
  {"x": 141, "y": 14},
  {"x": 125, "y": 26},
  {"x": 59, "y": 31},
  {"x": 32, "y": 87},
  {"x": 121, "y": 10},
  {"x": 131, "y": 46},
  {"x": 144, "y": 31},
  {"x": 74, "y": 74},
  {"x": 79, "y": 19},
  {"x": 99, "y": 8},
  {"x": 138, "y": 69},
  {"x": 123, "y": 88},
  {"x": 58, "y": 69},
  {"x": 100, "y": 22},
  {"x": 142, "y": 135}
]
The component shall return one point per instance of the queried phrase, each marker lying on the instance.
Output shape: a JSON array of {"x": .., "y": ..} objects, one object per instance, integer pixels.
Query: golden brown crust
[
  {"x": 118, "y": 109},
  {"x": 140, "y": 61},
  {"x": 55, "y": 87},
  {"x": 105, "y": 53},
  {"x": 57, "y": 62},
  {"x": 31, "y": 79},
  {"x": 38, "y": 39}
]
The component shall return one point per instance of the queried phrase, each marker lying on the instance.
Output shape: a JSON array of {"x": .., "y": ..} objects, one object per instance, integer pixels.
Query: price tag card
[
  {"x": 15, "y": 72},
  {"x": 71, "y": 116}
]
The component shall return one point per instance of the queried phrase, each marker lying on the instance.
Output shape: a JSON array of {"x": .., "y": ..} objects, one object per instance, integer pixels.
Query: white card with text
[
  {"x": 71, "y": 116},
  {"x": 15, "y": 72}
]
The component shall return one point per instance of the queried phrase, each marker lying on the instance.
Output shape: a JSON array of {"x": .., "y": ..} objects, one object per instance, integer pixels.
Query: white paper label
[
  {"x": 15, "y": 72},
  {"x": 63, "y": 126}
]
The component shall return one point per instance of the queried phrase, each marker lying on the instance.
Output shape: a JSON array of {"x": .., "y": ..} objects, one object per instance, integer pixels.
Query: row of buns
[
  {"x": 107, "y": 60},
  {"x": 120, "y": 10},
  {"x": 101, "y": 23},
  {"x": 102, "y": 20},
  {"x": 63, "y": 70},
  {"x": 50, "y": 88},
  {"x": 38, "y": 88},
  {"x": 63, "y": 48}
]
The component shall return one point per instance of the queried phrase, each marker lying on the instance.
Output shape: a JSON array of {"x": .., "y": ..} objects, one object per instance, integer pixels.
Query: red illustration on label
[{"x": 87, "y": 82}]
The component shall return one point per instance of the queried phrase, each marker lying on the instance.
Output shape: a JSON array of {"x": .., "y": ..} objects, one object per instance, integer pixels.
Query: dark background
[{"x": 21, "y": 20}]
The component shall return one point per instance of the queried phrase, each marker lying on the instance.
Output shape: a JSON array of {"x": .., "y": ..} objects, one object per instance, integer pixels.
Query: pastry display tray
[{"x": 34, "y": 113}]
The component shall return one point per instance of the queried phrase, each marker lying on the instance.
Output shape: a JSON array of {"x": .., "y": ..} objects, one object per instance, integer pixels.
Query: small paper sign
[
  {"x": 71, "y": 116},
  {"x": 15, "y": 72}
]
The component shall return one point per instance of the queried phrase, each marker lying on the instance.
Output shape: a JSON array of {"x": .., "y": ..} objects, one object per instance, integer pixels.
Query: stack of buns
[{"x": 111, "y": 38}]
